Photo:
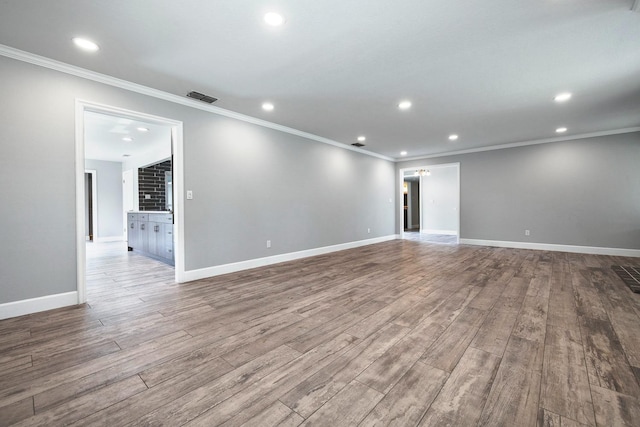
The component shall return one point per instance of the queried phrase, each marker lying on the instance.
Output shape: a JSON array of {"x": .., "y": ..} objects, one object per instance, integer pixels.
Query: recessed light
[
  {"x": 562, "y": 97},
  {"x": 453, "y": 137},
  {"x": 561, "y": 130},
  {"x": 126, "y": 155},
  {"x": 127, "y": 138},
  {"x": 404, "y": 105},
  {"x": 362, "y": 138},
  {"x": 85, "y": 44},
  {"x": 274, "y": 19},
  {"x": 141, "y": 129},
  {"x": 403, "y": 153},
  {"x": 267, "y": 106}
]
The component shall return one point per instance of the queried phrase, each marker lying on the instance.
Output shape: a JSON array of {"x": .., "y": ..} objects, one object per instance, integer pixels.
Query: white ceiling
[
  {"x": 486, "y": 71},
  {"x": 104, "y": 133}
]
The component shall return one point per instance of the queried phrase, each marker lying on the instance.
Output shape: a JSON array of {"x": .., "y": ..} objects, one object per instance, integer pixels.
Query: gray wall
[
  {"x": 440, "y": 199},
  {"x": 582, "y": 192},
  {"x": 109, "y": 198},
  {"x": 250, "y": 184}
]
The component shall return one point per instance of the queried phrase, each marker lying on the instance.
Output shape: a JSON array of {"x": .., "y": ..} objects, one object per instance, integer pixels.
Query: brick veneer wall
[{"x": 151, "y": 181}]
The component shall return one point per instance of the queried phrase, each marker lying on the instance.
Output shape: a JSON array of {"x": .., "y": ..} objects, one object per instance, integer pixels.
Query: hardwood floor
[{"x": 397, "y": 333}]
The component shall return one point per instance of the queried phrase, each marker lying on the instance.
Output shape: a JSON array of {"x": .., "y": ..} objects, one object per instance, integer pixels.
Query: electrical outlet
[
  {"x": 368, "y": 230},
  {"x": 147, "y": 196},
  {"x": 268, "y": 244},
  {"x": 527, "y": 233}
]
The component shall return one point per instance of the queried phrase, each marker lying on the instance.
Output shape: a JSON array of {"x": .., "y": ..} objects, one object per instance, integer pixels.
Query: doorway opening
[
  {"x": 431, "y": 203},
  {"x": 121, "y": 146},
  {"x": 91, "y": 207}
]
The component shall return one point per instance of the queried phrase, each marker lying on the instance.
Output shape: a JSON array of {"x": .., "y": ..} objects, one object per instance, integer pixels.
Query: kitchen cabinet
[{"x": 151, "y": 234}]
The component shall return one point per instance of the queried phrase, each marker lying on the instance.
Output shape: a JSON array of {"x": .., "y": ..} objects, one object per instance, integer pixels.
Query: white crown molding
[
  {"x": 218, "y": 270},
  {"x": 52, "y": 64},
  {"x": 593, "y": 250},
  {"x": 522, "y": 144}
]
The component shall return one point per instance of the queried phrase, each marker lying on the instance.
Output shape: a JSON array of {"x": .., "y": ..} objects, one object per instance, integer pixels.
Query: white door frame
[
  {"x": 401, "y": 189},
  {"x": 178, "y": 186},
  {"x": 94, "y": 202}
]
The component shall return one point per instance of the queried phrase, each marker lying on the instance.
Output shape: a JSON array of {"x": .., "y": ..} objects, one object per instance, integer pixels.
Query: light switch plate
[{"x": 189, "y": 195}]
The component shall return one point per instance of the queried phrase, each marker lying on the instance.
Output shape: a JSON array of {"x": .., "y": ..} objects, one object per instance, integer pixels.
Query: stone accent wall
[{"x": 151, "y": 182}]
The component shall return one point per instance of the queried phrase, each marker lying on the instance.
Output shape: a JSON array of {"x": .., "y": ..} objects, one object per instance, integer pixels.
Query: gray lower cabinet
[{"x": 152, "y": 235}]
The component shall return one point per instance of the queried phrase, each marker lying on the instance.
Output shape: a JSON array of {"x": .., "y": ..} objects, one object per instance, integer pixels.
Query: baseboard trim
[
  {"x": 34, "y": 305},
  {"x": 218, "y": 270},
  {"x": 109, "y": 239},
  {"x": 445, "y": 232},
  {"x": 593, "y": 250}
]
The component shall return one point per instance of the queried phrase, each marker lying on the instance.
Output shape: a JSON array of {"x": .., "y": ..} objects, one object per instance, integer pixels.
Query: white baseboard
[
  {"x": 594, "y": 250},
  {"x": 218, "y": 270},
  {"x": 34, "y": 305},
  {"x": 109, "y": 239},
  {"x": 446, "y": 232}
]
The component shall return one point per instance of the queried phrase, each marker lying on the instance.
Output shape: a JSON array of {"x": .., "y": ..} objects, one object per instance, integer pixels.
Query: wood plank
[
  {"x": 347, "y": 408},
  {"x": 615, "y": 409},
  {"x": 171, "y": 368},
  {"x": 445, "y": 352},
  {"x": 409, "y": 399},
  {"x": 84, "y": 406},
  {"x": 191, "y": 388},
  {"x": 463, "y": 395},
  {"x": 383, "y": 374},
  {"x": 514, "y": 395},
  {"x": 220, "y": 400},
  {"x": 617, "y": 300},
  {"x": 369, "y": 325},
  {"x": 10, "y": 363},
  {"x": 531, "y": 323},
  {"x": 312, "y": 393},
  {"x": 565, "y": 383},
  {"x": 549, "y": 419},
  {"x": 588, "y": 301},
  {"x": 606, "y": 362},
  {"x": 16, "y": 412},
  {"x": 277, "y": 414},
  {"x": 494, "y": 333}
]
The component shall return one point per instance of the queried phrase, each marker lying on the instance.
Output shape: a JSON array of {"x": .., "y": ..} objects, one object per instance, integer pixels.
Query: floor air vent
[
  {"x": 202, "y": 97},
  {"x": 357, "y": 144}
]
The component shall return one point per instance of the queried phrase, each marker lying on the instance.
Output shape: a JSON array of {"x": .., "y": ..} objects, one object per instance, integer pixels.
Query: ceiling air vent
[
  {"x": 202, "y": 97},
  {"x": 357, "y": 144}
]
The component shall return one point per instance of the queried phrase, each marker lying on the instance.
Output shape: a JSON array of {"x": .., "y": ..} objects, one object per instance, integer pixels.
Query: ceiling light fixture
[
  {"x": 274, "y": 19},
  {"x": 404, "y": 105},
  {"x": 85, "y": 44},
  {"x": 403, "y": 153},
  {"x": 142, "y": 129},
  {"x": 453, "y": 137},
  {"x": 127, "y": 138},
  {"x": 267, "y": 106},
  {"x": 562, "y": 97},
  {"x": 362, "y": 138},
  {"x": 561, "y": 130}
]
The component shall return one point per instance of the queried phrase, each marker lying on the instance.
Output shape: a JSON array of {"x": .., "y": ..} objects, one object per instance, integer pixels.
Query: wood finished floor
[{"x": 398, "y": 333}]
